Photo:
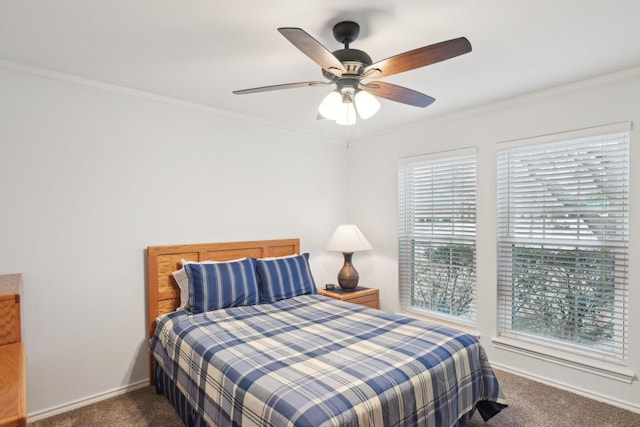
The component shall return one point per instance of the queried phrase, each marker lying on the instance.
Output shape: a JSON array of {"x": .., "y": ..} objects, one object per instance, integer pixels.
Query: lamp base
[{"x": 348, "y": 276}]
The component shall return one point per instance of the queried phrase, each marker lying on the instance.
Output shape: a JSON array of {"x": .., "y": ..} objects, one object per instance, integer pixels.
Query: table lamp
[{"x": 348, "y": 239}]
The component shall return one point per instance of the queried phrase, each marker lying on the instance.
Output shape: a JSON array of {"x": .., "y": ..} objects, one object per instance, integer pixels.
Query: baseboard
[
  {"x": 566, "y": 387},
  {"x": 46, "y": 413}
]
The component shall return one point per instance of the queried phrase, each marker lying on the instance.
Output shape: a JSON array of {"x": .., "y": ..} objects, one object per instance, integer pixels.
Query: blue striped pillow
[
  {"x": 285, "y": 277},
  {"x": 221, "y": 285}
]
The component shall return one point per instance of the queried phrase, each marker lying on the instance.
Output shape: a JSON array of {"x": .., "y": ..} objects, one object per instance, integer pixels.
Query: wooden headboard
[{"x": 162, "y": 289}]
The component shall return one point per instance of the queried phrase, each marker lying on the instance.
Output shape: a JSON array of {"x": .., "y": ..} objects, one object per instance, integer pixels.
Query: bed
[{"x": 301, "y": 359}]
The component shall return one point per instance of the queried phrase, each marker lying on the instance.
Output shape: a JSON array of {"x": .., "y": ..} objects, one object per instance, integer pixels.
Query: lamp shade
[
  {"x": 366, "y": 104},
  {"x": 330, "y": 105},
  {"x": 348, "y": 238}
]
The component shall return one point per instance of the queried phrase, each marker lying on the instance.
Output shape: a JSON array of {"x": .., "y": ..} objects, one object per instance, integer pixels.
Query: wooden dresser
[{"x": 13, "y": 408}]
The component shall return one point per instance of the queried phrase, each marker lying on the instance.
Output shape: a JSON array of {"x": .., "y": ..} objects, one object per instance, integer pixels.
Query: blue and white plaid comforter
[{"x": 314, "y": 361}]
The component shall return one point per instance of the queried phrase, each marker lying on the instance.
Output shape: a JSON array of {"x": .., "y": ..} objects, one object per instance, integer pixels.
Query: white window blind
[
  {"x": 437, "y": 232},
  {"x": 563, "y": 240}
]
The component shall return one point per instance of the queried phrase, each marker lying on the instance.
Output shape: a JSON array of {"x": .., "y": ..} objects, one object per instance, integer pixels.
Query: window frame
[
  {"x": 561, "y": 351},
  {"x": 408, "y": 235}
]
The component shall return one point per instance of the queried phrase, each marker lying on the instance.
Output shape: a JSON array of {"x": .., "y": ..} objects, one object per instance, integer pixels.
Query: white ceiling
[{"x": 199, "y": 51}]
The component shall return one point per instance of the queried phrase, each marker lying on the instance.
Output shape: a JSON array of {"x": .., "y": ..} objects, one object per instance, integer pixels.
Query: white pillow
[
  {"x": 183, "y": 280},
  {"x": 183, "y": 283},
  {"x": 279, "y": 257}
]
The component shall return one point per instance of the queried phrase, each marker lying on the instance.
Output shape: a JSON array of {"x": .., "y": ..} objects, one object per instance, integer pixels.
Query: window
[
  {"x": 563, "y": 240},
  {"x": 437, "y": 231}
]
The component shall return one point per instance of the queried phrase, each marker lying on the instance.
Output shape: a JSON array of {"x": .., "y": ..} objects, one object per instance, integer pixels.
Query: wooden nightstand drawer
[{"x": 369, "y": 297}]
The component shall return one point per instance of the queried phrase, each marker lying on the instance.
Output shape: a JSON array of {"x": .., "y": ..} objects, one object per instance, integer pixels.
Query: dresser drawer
[
  {"x": 13, "y": 410},
  {"x": 10, "y": 319},
  {"x": 368, "y": 300}
]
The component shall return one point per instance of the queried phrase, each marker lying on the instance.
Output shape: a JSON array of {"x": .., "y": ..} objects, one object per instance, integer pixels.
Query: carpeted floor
[{"x": 531, "y": 404}]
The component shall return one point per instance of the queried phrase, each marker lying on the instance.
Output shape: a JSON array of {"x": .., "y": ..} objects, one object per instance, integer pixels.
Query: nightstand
[{"x": 369, "y": 297}]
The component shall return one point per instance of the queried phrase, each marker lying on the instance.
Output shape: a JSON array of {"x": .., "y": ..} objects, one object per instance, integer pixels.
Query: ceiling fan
[{"x": 349, "y": 68}]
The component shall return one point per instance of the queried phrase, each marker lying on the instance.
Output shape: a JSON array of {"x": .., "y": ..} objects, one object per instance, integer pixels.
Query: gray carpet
[{"x": 531, "y": 404}]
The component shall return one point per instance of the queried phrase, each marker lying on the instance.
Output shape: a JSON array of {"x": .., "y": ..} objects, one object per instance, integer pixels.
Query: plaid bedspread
[{"x": 314, "y": 361}]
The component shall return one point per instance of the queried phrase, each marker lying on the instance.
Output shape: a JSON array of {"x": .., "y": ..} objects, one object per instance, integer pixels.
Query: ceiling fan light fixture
[
  {"x": 339, "y": 107},
  {"x": 366, "y": 104},
  {"x": 330, "y": 105}
]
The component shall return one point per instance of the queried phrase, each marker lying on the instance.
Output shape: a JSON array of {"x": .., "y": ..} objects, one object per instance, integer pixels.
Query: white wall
[
  {"x": 373, "y": 201},
  {"x": 90, "y": 177}
]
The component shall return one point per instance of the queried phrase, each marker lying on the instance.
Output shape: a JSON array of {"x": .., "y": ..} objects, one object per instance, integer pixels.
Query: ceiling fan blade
[
  {"x": 420, "y": 57},
  {"x": 279, "y": 87},
  {"x": 314, "y": 50},
  {"x": 398, "y": 94}
]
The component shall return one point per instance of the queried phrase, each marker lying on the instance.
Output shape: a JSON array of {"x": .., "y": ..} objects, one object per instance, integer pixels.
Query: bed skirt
[
  {"x": 166, "y": 387},
  {"x": 191, "y": 418}
]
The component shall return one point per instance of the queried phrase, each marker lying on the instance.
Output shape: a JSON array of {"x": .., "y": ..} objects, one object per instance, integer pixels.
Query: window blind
[
  {"x": 563, "y": 241},
  {"x": 437, "y": 231}
]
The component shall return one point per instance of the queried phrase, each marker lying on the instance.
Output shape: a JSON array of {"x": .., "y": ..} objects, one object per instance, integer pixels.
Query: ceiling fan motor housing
[{"x": 353, "y": 60}]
